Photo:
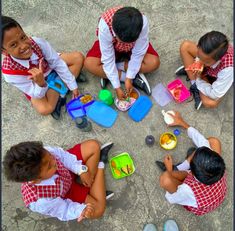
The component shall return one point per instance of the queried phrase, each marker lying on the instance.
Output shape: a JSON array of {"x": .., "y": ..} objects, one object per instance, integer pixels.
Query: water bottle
[
  {"x": 83, "y": 124},
  {"x": 149, "y": 140}
]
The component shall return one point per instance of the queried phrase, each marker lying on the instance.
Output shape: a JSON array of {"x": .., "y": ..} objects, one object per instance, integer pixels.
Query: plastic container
[
  {"x": 121, "y": 163},
  {"x": 167, "y": 116},
  {"x": 178, "y": 90},
  {"x": 76, "y": 108},
  {"x": 168, "y": 141},
  {"x": 83, "y": 124},
  {"x": 106, "y": 96},
  {"x": 150, "y": 140},
  {"x": 54, "y": 82}
]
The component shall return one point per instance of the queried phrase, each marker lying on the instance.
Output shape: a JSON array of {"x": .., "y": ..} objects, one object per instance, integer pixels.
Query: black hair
[
  {"x": 214, "y": 43},
  {"x": 127, "y": 24},
  {"x": 207, "y": 166},
  {"x": 7, "y": 24},
  {"x": 22, "y": 162}
]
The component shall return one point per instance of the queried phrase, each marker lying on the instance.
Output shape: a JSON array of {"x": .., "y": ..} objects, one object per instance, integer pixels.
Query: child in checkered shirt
[
  {"x": 216, "y": 54},
  {"x": 64, "y": 184},
  {"x": 122, "y": 51},
  {"x": 199, "y": 183},
  {"x": 29, "y": 60}
]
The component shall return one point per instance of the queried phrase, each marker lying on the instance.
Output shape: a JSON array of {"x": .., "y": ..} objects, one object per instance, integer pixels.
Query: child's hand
[
  {"x": 168, "y": 161},
  {"x": 75, "y": 93},
  {"x": 128, "y": 85},
  {"x": 37, "y": 75},
  {"x": 178, "y": 120},
  {"x": 88, "y": 212},
  {"x": 120, "y": 94},
  {"x": 87, "y": 179}
]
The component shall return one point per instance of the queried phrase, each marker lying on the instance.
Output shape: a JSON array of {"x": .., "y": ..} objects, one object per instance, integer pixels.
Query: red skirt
[{"x": 77, "y": 192}]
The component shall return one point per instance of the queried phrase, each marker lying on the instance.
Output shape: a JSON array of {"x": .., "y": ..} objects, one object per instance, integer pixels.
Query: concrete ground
[{"x": 70, "y": 25}]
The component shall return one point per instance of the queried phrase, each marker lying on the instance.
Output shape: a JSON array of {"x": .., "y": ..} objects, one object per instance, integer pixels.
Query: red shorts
[
  {"x": 95, "y": 51},
  {"x": 77, "y": 192}
]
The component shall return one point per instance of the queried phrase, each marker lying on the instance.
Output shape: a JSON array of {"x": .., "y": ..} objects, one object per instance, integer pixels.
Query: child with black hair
[
  {"x": 199, "y": 183},
  {"x": 122, "y": 51},
  {"x": 64, "y": 184},
  {"x": 29, "y": 60},
  {"x": 216, "y": 54}
]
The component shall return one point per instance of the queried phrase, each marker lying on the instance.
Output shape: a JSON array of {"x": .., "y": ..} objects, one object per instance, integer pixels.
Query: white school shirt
[
  {"x": 108, "y": 53},
  {"x": 184, "y": 194},
  {"x": 221, "y": 85},
  {"x": 55, "y": 63},
  {"x": 63, "y": 209}
]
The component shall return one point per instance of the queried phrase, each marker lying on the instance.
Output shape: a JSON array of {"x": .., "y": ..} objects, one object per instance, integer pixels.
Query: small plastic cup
[{"x": 106, "y": 97}]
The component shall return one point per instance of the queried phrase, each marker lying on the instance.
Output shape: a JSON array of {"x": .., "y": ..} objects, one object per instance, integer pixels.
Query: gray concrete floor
[{"x": 70, "y": 25}]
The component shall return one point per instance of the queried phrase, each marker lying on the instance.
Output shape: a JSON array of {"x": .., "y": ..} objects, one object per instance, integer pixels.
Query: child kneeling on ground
[
  {"x": 216, "y": 54},
  {"x": 199, "y": 183},
  {"x": 64, "y": 184},
  {"x": 27, "y": 63}
]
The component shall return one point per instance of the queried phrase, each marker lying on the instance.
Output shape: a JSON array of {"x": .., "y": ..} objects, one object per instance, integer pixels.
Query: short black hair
[
  {"x": 207, "y": 166},
  {"x": 7, "y": 24},
  {"x": 127, "y": 24},
  {"x": 22, "y": 162},
  {"x": 214, "y": 43}
]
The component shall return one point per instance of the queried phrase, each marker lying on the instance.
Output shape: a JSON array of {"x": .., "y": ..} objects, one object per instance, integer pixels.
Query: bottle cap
[{"x": 176, "y": 132}]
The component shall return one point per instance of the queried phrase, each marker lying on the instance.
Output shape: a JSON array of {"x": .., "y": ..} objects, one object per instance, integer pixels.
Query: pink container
[{"x": 178, "y": 90}]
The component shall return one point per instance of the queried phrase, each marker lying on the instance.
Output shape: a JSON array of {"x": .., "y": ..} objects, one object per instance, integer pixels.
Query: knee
[
  {"x": 214, "y": 142},
  {"x": 78, "y": 57},
  {"x": 94, "y": 145},
  {"x": 88, "y": 63},
  {"x": 45, "y": 110},
  {"x": 210, "y": 103},
  {"x": 156, "y": 62},
  {"x": 164, "y": 180},
  {"x": 100, "y": 211},
  {"x": 184, "y": 46}
]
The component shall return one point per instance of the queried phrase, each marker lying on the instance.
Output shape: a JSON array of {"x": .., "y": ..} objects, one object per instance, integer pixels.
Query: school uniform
[
  {"x": 110, "y": 50},
  {"x": 60, "y": 196},
  {"x": 221, "y": 76},
  {"x": 15, "y": 71},
  {"x": 195, "y": 196}
]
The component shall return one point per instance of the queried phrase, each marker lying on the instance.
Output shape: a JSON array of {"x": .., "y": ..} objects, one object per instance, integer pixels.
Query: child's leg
[
  {"x": 97, "y": 194},
  {"x": 171, "y": 180},
  {"x": 150, "y": 63},
  {"x": 188, "y": 52},
  {"x": 208, "y": 102},
  {"x": 90, "y": 151},
  {"x": 74, "y": 60},
  {"x": 47, "y": 104},
  {"x": 94, "y": 66}
]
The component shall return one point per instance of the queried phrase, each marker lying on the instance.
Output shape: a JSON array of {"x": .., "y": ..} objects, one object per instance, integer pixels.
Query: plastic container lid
[
  {"x": 102, "y": 114},
  {"x": 140, "y": 108}
]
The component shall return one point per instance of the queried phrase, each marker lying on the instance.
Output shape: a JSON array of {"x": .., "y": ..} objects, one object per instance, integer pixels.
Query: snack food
[
  {"x": 196, "y": 66},
  {"x": 126, "y": 169},
  {"x": 86, "y": 98},
  {"x": 113, "y": 164}
]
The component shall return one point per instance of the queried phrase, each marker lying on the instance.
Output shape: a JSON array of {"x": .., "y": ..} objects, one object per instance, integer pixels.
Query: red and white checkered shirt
[
  {"x": 118, "y": 45},
  {"x": 32, "y": 192},
  {"x": 225, "y": 61},
  {"x": 10, "y": 66},
  {"x": 208, "y": 197}
]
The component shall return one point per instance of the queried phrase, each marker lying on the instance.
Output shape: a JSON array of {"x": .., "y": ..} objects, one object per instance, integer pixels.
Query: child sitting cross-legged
[
  {"x": 199, "y": 183},
  {"x": 29, "y": 61},
  {"x": 64, "y": 184}
]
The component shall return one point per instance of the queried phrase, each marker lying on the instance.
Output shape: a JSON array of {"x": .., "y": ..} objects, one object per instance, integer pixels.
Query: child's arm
[
  {"x": 57, "y": 64},
  {"x": 138, "y": 51},
  {"x": 69, "y": 160},
  {"x": 27, "y": 86},
  {"x": 218, "y": 88},
  {"x": 63, "y": 209}
]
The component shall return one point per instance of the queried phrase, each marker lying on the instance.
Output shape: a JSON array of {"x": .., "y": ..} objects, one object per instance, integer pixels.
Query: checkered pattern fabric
[
  {"x": 208, "y": 197},
  {"x": 118, "y": 46},
  {"x": 226, "y": 61},
  {"x": 32, "y": 192},
  {"x": 10, "y": 64}
]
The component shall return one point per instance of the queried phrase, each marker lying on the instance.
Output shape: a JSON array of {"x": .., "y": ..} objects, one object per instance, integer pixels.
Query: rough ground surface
[{"x": 70, "y": 25}]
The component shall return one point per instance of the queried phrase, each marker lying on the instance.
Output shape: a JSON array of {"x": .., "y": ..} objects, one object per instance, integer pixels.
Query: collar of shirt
[
  {"x": 50, "y": 181},
  {"x": 25, "y": 63},
  {"x": 215, "y": 65}
]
